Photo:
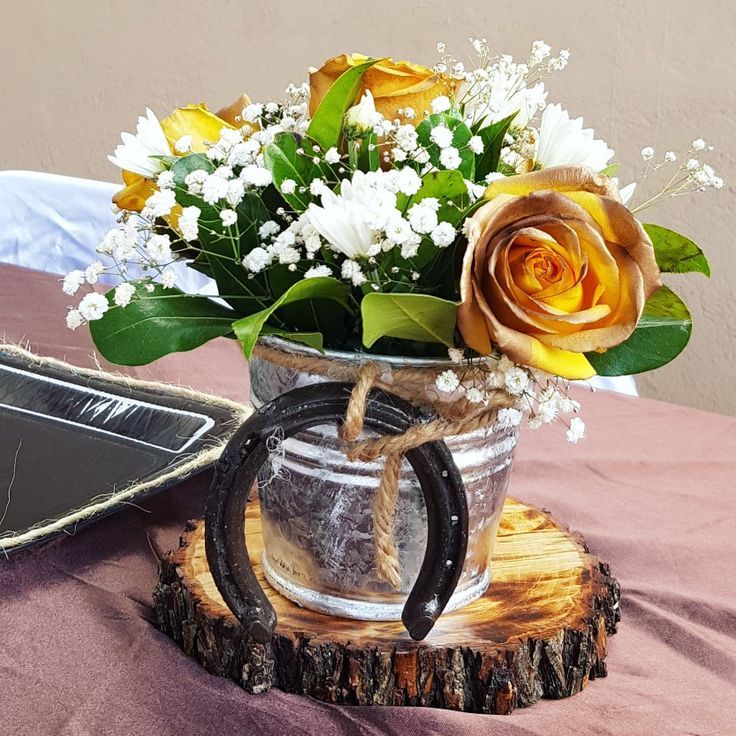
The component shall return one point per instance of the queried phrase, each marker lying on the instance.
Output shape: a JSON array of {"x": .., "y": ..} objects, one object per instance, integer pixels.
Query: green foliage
[
  {"x": 311, "y": 339},
  {"x": 326, "y": 125},
  {"x": 283, "y": 161},
  {"x": 492, "y": 137},
  {"x": 610, "y": 170},
  {"x": 249, "y": 328},
  {"x": 661, "y": 335},
  {"x": 419, "y": 317},
  {"x": 157, "y": 323},
  {"x": 675, "y": 253},
  {"x": 449, "y": 188},
  {"x": 461, "y": 134}
]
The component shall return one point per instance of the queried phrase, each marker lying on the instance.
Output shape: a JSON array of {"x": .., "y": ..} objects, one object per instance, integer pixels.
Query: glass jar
[{"x": 317, "y": 507}]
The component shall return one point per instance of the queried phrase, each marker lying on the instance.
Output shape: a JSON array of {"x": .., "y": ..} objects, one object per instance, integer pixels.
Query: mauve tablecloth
[{"x": 652, "y": 490}]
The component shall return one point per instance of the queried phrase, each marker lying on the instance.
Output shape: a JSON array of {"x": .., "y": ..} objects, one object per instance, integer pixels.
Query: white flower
[
  {"x": 516, "y": 381},
  {"x": 123, "y": 294},
  {"x": 406, "y": 138},
  {"x": 441, "y": 135},
  {"x": 670, "y": 156},
  {"x": 508, "y": 418},
  {"x": 398, "y": 154},
  {"x": 576, "y": 431},
  {"x": 398, "y": 231},
  {"x": 159, "y": 248},
  {"x": 288, "y": 255},
  {"x": 363, "y": 116},
  {"x": 228, "y": 217},
  {"x": 72, "y": 281},
  {"x": 74, "y": 319},
  {"x": 93, "y": 272},
  {"x": 165, "y": 180},
  {"x": 235, "y": 192},
  {"x": 540, "y": 51},
  {"x": 450, "y": 158},
  {"x": 441, "y": 104},
  {"x": 256, "y": 176},
  {"x": 317, "y": 187},
  {"x": 258, "y": 259},
  {"x": 268, "y": 229},
  {"x": 351, "y": 271},
  {"x": 93, "y": 306},
  {"x": 288, "y": 186},
  {"x": 189, "y": 223},
  {"x": 168, "y": 278},
  {"x": 332, "y": 155},
  {"x": 565, "y": 141},
  {"x": 443, "y": 235},
  {"x": 251, "y": 113},
  {"x": 214, "y": 189},
  {"x": 120, "y": 242},
  {"x": 184, "y": 144},
  {"x": 698, "y": 144},
  {"x": 409, "y": 182},
  {"x": 474, "y": 395},
  {"x": 475, "y": 144},
  {"x": 137, "y": 152},
  {"x": 317, "y": 272},
  {"x": 194, "y": 181},
  {"x": 423, "y": 219},
  {"x": 447, "y": 381},
  {"x": 456, "y": 355},
  {"x": 692, "y": 164},
  {"x": 647, "y": 153},
  {"x": 159, "y": 204},
  {"x": 409, "y": 249},
  {"x": 349, "y": 221}
]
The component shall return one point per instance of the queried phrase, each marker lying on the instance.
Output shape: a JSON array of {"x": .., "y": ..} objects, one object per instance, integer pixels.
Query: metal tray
[{"x": 77, "y": 444}]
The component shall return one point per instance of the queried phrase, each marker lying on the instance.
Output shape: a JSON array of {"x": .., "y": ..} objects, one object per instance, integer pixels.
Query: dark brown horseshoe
[{"x": 301, "y": 408}]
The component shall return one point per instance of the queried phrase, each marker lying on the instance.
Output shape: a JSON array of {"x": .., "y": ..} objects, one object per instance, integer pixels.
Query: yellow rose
[
  {"x": 555, "y": 267},
  {"x": 394, "y": 85},
  {"x": 194, "y": 120}
]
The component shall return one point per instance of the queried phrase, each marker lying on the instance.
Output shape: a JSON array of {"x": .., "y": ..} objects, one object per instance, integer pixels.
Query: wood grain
[{"x": 540, "y": 631}]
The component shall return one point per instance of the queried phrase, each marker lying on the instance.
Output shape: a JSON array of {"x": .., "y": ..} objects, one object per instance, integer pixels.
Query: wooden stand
[{"x": 540, "y": 631}]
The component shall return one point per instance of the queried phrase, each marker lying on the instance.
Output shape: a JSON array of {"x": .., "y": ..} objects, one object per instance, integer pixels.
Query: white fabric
[{"x": 54, "y": 223}]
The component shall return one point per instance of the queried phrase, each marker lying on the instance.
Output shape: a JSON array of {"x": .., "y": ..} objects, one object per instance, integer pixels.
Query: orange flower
[
  {"x": 555, "y": 267},
  {"x": 395, "y": 85}
]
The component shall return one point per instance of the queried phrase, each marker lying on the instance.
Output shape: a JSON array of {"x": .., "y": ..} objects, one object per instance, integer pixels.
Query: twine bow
[{"x": 393, "y": 448}]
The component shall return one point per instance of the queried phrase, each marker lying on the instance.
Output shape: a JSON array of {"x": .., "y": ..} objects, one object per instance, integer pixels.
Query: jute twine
[{"x": 453, "y": 417}]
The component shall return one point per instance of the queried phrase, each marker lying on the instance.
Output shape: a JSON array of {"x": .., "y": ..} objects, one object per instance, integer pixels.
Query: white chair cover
[{"x": 54, "y": 223}]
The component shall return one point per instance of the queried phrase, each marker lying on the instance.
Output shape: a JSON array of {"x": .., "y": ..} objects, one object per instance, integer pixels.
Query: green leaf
[
  {"x": 311, "y": 339},
  {"x": 610, "y": 170},
  {"x": 327, "y": 121},
  {"x": 157, "y": 323},
  {"x": 661, "y": 335},
  {"x": 675, "y": 253},
  {"x": 419, "y": 317},
  {"x": 283, "y": 161},
  {"x": 249, "y": 328},
  {"x": 368, "y": 156},
  {"x": 461, "y": 134},
  {"x": 446, "y": 186},
  {"x": 492, "y": 137}
]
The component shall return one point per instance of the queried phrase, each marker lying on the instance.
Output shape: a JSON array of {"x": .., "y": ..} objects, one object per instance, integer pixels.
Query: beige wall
[{"x": 75, "y": 73}]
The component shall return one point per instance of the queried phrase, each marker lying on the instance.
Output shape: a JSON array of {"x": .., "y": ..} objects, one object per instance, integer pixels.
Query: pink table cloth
[{"x": 651, "y": 489}]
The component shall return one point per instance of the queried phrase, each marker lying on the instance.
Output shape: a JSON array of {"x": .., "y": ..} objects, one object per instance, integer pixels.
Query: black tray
[{"x": 76, "y": 444}]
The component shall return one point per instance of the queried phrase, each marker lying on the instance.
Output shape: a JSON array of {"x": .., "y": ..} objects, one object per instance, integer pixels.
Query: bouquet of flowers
[{"x": 392, "y": 208}]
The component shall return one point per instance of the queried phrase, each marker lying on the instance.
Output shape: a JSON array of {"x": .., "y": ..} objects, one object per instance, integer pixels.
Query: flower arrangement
[{"x": 393, "y": 208}]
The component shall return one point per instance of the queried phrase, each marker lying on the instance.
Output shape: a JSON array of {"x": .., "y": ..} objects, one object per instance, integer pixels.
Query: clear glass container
[{"x": 317, "y": 507}]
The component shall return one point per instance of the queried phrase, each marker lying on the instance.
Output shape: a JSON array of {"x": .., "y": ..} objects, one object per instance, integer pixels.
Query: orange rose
[
  {"x": 394, "y": 84},
  {"x": 555, "y": 267}
]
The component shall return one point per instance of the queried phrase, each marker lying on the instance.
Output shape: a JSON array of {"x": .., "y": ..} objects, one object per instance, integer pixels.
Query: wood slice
[{"x": 540, "y": 631}]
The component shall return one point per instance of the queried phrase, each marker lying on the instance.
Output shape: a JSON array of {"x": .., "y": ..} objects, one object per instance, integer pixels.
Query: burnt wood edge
[{"x": 492, "y": 679}]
